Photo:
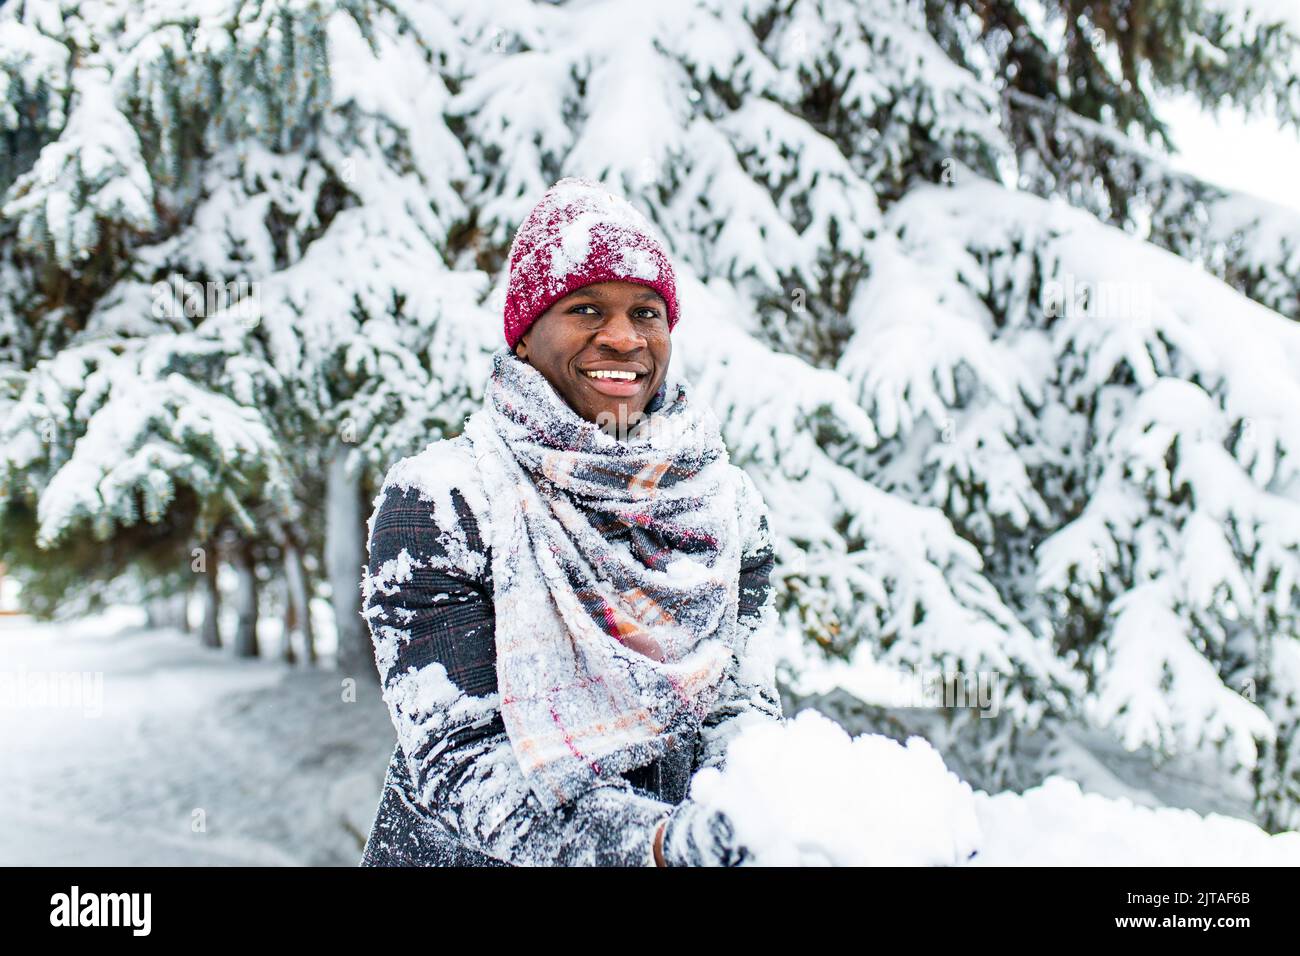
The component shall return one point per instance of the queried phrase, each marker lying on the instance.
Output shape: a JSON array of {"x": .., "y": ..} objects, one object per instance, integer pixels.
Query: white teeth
[{"x": 610, "y": 373}]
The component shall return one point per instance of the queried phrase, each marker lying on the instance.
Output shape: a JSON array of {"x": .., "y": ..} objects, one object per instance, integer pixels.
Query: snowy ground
[{"x": 282, "y": 770}]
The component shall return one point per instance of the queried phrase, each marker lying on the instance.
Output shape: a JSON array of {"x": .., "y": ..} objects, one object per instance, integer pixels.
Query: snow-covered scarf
[{"x": 615, "y": 568}]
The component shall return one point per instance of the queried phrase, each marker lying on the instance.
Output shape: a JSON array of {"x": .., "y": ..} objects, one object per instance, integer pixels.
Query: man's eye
[
  {"x": 577, "y": 307},
  {"x": 654, "y": 313}
]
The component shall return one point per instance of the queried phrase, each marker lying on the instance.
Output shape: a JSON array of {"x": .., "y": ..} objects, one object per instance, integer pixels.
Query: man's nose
[{"x": 620, "y": 333}]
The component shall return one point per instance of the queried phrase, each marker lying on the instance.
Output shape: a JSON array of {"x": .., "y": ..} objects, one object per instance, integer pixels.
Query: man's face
[{"x": 606, "y": 326}]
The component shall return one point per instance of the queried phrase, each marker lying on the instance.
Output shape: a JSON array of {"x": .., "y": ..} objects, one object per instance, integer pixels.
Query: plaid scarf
[{"x": 615, "y": 568}]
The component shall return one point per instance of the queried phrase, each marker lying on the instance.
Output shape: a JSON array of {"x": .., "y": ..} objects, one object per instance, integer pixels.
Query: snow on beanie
[{"x": 578, "y": 234}]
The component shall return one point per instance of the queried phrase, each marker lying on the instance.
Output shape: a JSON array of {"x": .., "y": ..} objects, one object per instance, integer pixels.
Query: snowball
[{"x": 804, "y": 793}]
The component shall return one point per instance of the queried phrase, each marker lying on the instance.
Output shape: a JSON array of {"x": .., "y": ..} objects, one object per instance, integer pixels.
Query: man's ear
[{"x": 521, "y": 349}]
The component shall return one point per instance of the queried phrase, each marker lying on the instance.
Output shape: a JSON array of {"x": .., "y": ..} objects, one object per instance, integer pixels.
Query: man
[{"x": 561, "y": 598}]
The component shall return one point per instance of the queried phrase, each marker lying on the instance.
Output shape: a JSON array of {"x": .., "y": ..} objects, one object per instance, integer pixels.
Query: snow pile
[
  {"x": 1057, "y": 824},
  {"x": 803, "y": 793}
]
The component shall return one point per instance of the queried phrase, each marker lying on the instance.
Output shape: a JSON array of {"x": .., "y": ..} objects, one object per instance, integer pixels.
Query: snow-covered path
[{"x": 194, "y": 758}]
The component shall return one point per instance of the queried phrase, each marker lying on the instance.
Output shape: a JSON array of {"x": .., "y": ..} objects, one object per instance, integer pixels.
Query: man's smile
[{"x": 619, "y": 380}]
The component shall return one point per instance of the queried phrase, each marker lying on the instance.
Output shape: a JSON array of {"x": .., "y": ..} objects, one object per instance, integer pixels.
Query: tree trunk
[
  {"x": 210, "y": 630},
  {"x": 154, "y": 612},
  {"x": 167, "y": 610},
  {"x": 299, "y": 602},
  {"x": 290, "y": 625},
  {"x": 245, "y": 602},
  {"x": 345, "y": 548},
  {"x": 181, "y": 608}
]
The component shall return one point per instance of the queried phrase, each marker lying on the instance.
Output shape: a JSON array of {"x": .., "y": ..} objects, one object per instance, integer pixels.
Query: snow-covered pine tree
[
  {"x": 284, "y": 150},
  {"x": 1080, "y": 83},
  {"x": 999, "y": 435},
  {"x": 1079, "y": 86}
]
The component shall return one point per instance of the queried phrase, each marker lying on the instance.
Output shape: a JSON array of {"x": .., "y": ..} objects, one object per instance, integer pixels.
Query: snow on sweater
[{"x": 426, "y": 595}]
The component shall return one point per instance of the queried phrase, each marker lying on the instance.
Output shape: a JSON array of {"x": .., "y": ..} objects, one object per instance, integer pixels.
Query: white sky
[{"x": 1250, "y": 155}]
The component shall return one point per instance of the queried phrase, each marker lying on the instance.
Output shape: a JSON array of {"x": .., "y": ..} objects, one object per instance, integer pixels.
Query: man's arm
[
  {"x": 431, "y": 621},
  {"x": 749, "y": 690}
]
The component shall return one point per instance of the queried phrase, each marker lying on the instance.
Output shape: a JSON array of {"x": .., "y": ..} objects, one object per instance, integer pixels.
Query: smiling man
[
  {"x": 605, "y": 349},
  {"x": 561, "y": 603},
  {"x": 590, "y": 302}
]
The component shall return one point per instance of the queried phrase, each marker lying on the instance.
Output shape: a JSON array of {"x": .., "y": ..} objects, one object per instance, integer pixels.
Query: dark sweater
[{"x": 454, "y": 795}]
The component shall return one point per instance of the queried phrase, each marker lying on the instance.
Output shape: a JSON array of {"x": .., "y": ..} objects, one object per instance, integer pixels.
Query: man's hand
[{"x": 698, "y": 835}]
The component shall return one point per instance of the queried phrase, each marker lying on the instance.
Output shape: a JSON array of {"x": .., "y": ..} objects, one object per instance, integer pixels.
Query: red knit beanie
[{"x": 578, "y": 234}]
